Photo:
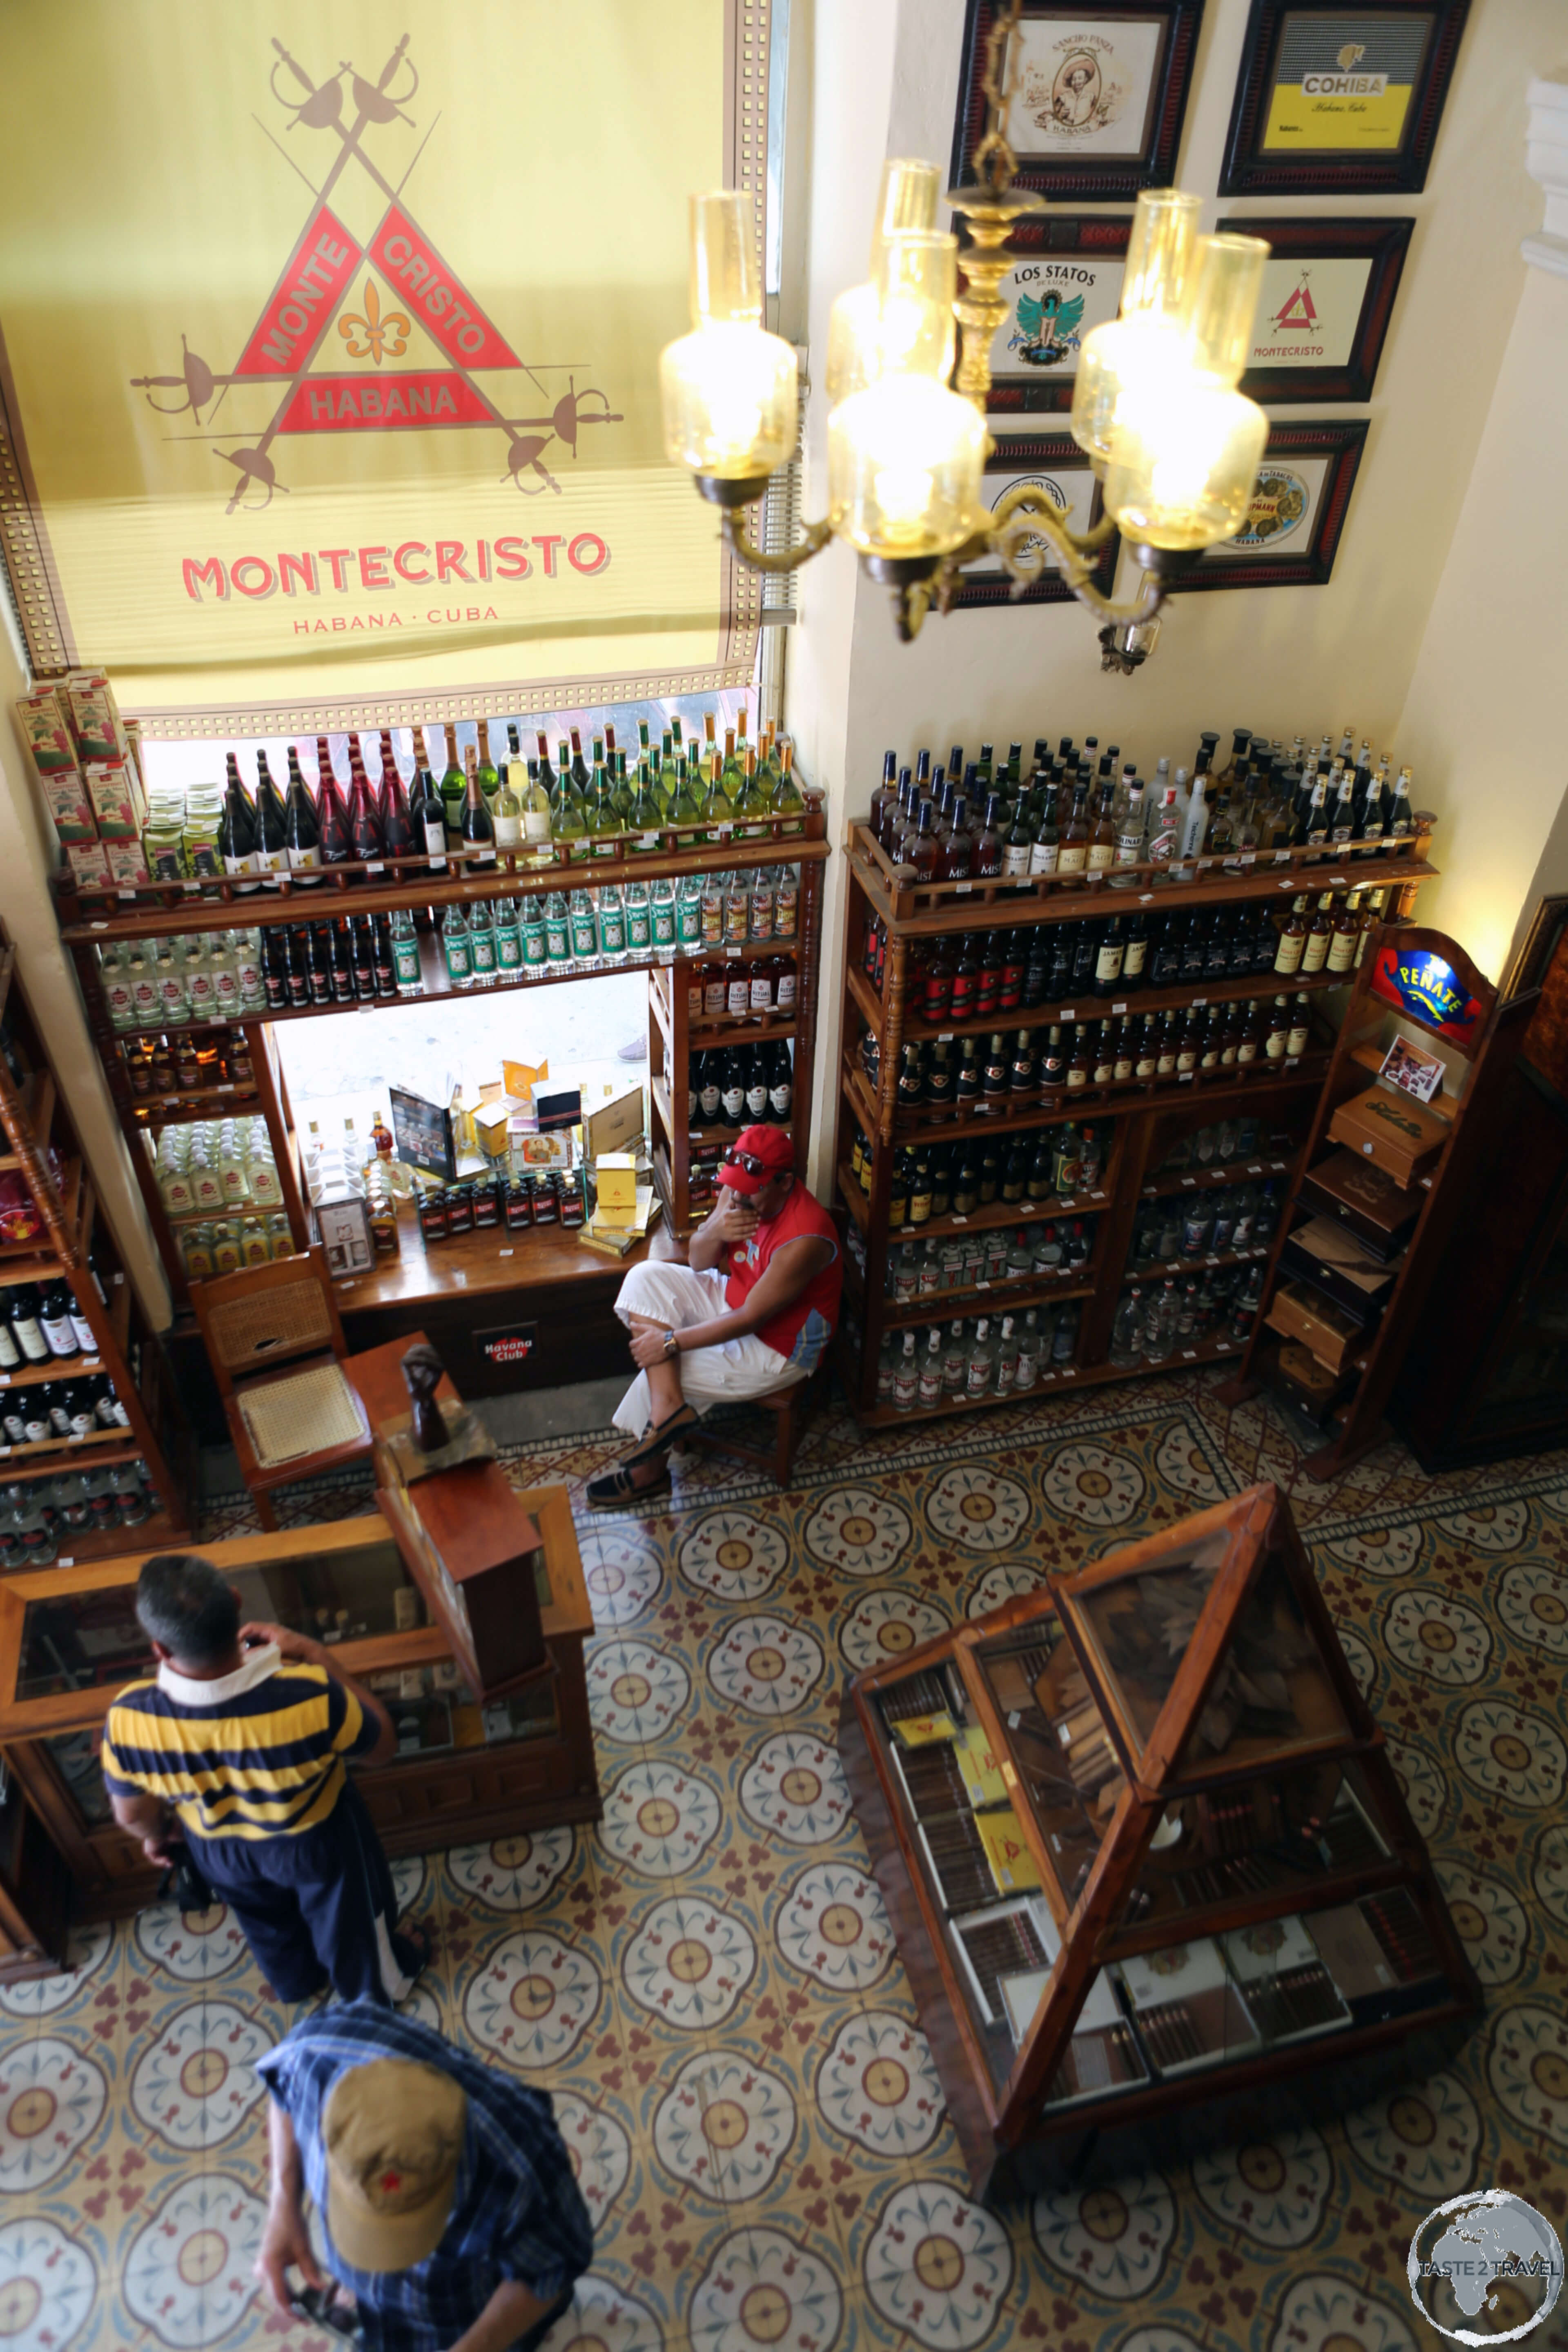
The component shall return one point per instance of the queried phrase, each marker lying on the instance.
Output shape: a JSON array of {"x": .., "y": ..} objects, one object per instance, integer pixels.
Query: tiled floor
[{"x": 707, "y": 1983}]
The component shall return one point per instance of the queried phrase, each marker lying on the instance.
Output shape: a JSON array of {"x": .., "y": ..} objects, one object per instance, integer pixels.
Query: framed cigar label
[
  {"x": 1052, "y": 464},
  {"x": 1065, "y": 279},
  {"x": 1332, "y": 100},
  {"x": 1291, "y": 532},
  {"x": 1327, "y": 296}
]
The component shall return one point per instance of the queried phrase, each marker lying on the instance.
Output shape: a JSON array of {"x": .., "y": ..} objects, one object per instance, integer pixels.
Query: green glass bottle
[
  {"x": 605, "y": 824},
  {"x": 732, "y": 774},
  {"x": 454, "y": 947},
  {"x": 568, "y": 818},
  {"x": 662, "y": 912},
  {"x": 584, "y": 928},
  {"x": 645, "y": 816},
  {"x": 688, "y": 911},
  {"x": 508, "y": 937},
  {"x": 685, "y": 806},
  {"x": 557, "y": 928},
  {"x": 785, "y": 800},
  {"x": 751, "y": 810},
  {"x": 717, "y": 812},
  {"x": 621, "y": 792},
  {"x": 535, "y": 934},
  {"x": 454, "y": 789},
  {"x": 490, "y": 778}
]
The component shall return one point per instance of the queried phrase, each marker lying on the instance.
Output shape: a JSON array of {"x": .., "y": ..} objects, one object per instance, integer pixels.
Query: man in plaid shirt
[{"x": 447, "y": 2204}]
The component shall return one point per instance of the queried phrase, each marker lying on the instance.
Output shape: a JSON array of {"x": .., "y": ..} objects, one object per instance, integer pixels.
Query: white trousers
[{"x": 677, "y": 1296}]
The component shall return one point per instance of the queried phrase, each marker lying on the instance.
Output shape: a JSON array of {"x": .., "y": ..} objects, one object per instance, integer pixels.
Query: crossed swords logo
[{"x": 321, "y": 108}]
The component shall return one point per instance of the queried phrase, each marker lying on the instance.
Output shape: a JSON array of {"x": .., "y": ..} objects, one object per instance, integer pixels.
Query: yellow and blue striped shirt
[{"x": 263, "y": 1758}]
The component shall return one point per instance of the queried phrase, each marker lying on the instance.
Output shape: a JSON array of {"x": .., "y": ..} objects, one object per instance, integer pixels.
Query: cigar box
[
  {"x": 1365, "y": 1197},
  {"x": 1287, "y": 1986},
  {"x": 1361, "y": 1969},
  {"x": 1323, "y": 1328},
  {"x": 1397, "y": 1133},
  {"x": 1306, "y": 1387},
  {"x": 45, "y": 730},
  {"x": 1338, "y": 1263},
  {"x": 94, "y": 721},
  {"x": 1187, "y": 2010},
  {"x": 65, "y": 798}
]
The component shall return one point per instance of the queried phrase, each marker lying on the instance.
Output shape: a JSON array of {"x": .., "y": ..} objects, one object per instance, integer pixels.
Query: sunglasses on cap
[{"x": 748, "y": 1161}]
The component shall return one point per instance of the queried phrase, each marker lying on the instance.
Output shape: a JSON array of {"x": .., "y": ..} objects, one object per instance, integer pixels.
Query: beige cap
[{"x": 394, "y": 2133}]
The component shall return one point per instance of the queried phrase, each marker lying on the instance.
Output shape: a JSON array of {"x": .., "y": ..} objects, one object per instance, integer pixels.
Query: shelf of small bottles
[
  {"x": 196, "y": 1105},
  {"x": 1155, "y": 1269},
  {"x": 1001, "y": 1297},
  {"x": 159, "y": 909},
  {"x": 1051, "y": 1379},
  {"x": 982, "y": 1220},
  {"x": 107, "y": 1447},
  {"x": 704, "y": 1135},
  {"x": 1234, "y": 1171},
  {"x": 1166, "y": 996},
  {"x": 919, "y": 909},
  {"x": 1130, "y": 1094}
]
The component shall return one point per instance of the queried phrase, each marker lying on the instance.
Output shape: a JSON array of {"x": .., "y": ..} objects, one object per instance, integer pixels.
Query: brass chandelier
[{"x": 1173, "y": 443}]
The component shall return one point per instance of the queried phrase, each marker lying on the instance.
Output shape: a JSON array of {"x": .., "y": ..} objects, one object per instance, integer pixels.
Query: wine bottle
[
  {"x": 391, "y": 802},
  {"x": 490, "y": 778},
  {"x": 271, "y": 825},
  {"x": 454, "y": 789},
  {"x": 331, "y": 811},
  {"x": 301, "y": 831},
  {"x": 429, "y": 817},
  {"x": 506, "y": 807},
  {"x": 365, "y": 827},
  {"x": 237, "y": 832},
  {"x": 479, "y": 826}
]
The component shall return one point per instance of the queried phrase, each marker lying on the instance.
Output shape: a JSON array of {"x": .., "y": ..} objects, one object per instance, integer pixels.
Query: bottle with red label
[{"x": 937, "y": 994}]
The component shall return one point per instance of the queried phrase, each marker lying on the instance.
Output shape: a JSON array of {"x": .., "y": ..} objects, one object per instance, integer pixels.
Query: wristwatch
[{"x": 671, "y": 1344}]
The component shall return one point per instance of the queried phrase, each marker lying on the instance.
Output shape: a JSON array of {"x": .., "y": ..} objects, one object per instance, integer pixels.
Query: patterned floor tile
[{"x": 707, "y": 1982}]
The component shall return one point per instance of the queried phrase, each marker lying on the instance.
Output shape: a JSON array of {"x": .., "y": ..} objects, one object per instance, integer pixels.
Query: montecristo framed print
[
  {"x": 1337, "y": 100},
  {"x": 1066, "y": 278},
  {"x": 1053, "y": 463},
  {"x": 1297, "y": 517},
  {"x": 1095, "y": 93},
  {"x": 1327, "y": 294}
]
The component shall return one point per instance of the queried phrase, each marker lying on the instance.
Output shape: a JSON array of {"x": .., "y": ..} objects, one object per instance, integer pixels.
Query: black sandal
[{"x": 618, "y": 1486}]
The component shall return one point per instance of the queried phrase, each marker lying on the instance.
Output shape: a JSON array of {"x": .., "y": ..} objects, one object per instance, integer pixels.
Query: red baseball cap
[{"x": 768, "y": 1147}]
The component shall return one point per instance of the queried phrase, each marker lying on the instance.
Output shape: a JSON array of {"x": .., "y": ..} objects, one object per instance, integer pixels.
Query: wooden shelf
[
  {"x": 1087, "y": 1004},
  {"x": 1182, "y": 1359},
  {"x": 993, "y": 1298},
  {"x": 58, "y": 1368},
  {"x": 475, "y": 1264},
  {"x": 1156, "y": 1269},
  {"x": 996, "y": 1214},
  {"x": 1210, "y": 1179},
  {"x": 929, "y": 909},
  {"x": 105, "y": 1447},
  {"x": 1102, "y": 1102}
]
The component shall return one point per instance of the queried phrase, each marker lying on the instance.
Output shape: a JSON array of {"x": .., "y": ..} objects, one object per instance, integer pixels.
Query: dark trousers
[{"x": 318, "y": 1908}]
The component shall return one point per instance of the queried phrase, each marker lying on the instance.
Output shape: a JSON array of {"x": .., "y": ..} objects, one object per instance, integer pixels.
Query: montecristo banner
[{"x": 330, "y": 349}]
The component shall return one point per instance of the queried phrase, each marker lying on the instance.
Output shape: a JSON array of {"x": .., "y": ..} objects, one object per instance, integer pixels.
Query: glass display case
[
  {"x": 465, "y": 1767},
  {"x": 1139, "y": 1841}
]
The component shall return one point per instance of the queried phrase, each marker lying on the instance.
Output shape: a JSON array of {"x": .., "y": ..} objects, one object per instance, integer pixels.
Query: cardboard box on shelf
[
  {"x": 127, "y": 863},
  {"x": 87, "y": 862},
  {"x": 615, "y": 1185},
  {"x": 114, "y": 789},
  {"x": 45, "y": 729},
  {"x": 94, "y": 721},
  {"x": 70, "y": 810},
  {"x": 615, "y": 1125}
]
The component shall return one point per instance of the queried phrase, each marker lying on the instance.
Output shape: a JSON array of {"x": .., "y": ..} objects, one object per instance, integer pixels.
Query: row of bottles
[
  {"x": 39, "y": 1519},
  {"x": 1215, "y": 1146},
  {"x": 47, "y": 1411},
  {"x": 222, "y": 1245},
  {"x": 1156, "y": 1321},
  {"x": 1087, "y": 815},
  {"x": 220, "y": 976},
  {"x": 190, "y": 1061},
  {"x": 42, "y": 1323},
  {"x": 486, "y": 798},
  {"x": 150, "y": 984},
  {"x": 971, "y": 1360},
  {"x": 741, "y": 1086},
  {"x": 1043, "y": 1068},
  {"x": 1210, "y": 1223},
  {"x": 1061, "y": 1165},
  {"x": 983, "y": 973},
  {"x": 978, "y": 1261},
  {"x": 210, "y": 1165}
]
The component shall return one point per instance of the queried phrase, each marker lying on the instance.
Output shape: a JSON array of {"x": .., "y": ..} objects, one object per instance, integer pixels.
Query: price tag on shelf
[
  {"x": 66, "y": 1561},
  {"x": 1211, "y": 1261},
  {"x": 963, "y": 889},
  {"x": 735, "y": 954},
  {"x": 1118, "y": 1008},
  {"x": 945, "y": 1036},
  {"x": 1069, "y": 1013},
  {"x": 957, "y": 1221},
  {"x": 1199, "y": 1003},
  {"x": 1189, "y": 1353},
  {"x": 1255, "y": 1167},
  {"x": 507, "y": 1253},
  {"x": 1291, "y": 1060},
  {"x": 983, "y": 1285},
  {"x": 1183, "y": 1078},
  {"x": 374, "y": 866},
  {"x": 1069, "y": 1201},
  {"x": 1282, "y": 858}
]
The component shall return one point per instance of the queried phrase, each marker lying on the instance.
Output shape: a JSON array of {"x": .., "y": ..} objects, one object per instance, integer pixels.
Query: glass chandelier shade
[
  {"x": 1145, "y": 340},
  {"x": 906, "y": 205},
  {"x": 904, "y": 460},
  {"x": 729, "y": 388}
]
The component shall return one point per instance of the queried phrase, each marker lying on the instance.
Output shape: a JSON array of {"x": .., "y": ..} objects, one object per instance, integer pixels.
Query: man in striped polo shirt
[{"x": 239, "y": 1742}]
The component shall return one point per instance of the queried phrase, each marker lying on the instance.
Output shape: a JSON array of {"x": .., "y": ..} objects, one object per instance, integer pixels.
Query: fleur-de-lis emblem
[{"x": 384, "y": 337}]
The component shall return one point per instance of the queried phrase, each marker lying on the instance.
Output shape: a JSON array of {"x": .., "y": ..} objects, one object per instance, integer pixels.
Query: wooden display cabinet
[
  {"x": 545, "y": 1284},
  {"x": 1144, "y": 1853},
  {"x": 69, "y": 1641},
  {"x": 1140, "y": 1117},
  {"x": 71, "y": 1240}
]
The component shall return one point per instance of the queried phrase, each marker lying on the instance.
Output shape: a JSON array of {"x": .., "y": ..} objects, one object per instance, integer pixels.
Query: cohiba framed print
[
  {"x": 1297, "y": 517},
  {"x": 1095, "y": 93},
  {"x": 1327, "y": 294},
  {"x": 1337, "y": 100},
  {"x": 1066, "y": 278},
  {"x": 1053, "y": 463}
]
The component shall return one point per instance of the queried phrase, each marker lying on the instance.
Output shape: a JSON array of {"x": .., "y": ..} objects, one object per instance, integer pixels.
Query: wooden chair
[
  {"x": 291, "y": 1425},
  {"x": 789, "y": 1406}
]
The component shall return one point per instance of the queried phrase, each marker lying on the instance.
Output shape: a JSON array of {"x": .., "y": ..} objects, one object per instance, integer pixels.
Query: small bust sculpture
[{"x": 422, "y": 1371}]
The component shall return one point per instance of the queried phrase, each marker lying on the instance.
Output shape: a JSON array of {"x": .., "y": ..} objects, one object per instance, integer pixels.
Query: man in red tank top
[{"x": 702, "y": 1335}]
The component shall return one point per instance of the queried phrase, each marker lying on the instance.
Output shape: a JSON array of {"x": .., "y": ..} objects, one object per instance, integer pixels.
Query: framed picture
[
  {"x": 1327, "y": 294},
  {"x": 1294, "y": 524},
  {"x": 1337, "y": 100},
  {"x": 1096, "y": 93},
  {"x": 1054, "y": 463},
  {"x": 1066, "y": 278},
  {"x": 422, "y": 1132},
  {"x": 344, "y": 1228}
]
